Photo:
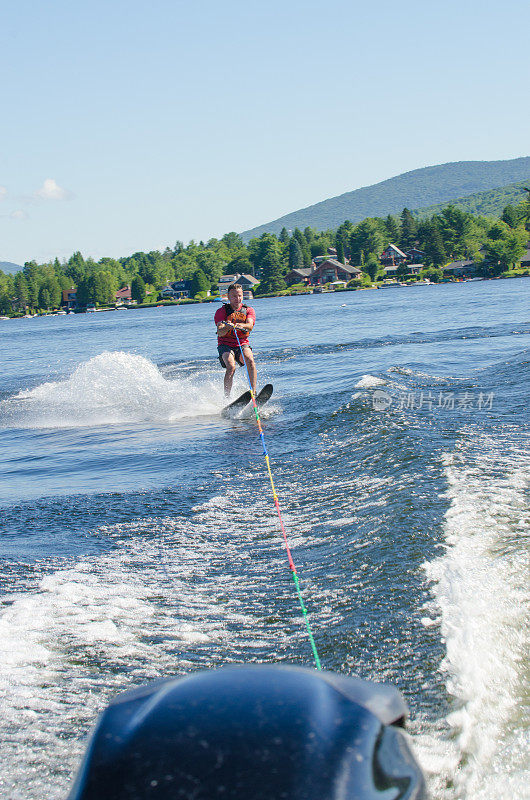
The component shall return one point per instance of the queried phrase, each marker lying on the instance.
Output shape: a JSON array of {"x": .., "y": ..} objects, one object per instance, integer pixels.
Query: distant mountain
[
  {"x": 8, "y": 266},
  {"x": 488, "y": 204},
  {"x": 418, "y": 189}
]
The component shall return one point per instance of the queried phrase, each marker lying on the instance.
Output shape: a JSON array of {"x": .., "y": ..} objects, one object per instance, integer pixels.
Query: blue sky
[{"x": 129, "y": 125}]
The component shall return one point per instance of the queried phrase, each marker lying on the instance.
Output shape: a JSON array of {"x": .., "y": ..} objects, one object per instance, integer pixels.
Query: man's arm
[{"x": 224, "y": 327}]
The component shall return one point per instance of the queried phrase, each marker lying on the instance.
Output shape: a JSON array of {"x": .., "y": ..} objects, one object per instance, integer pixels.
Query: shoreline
[{"x": 284, "y": 293}]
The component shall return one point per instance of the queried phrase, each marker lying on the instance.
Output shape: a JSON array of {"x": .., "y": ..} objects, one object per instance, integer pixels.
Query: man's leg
[
  {"x": 230, "y": 364},
  {"x": 251, "y": 366}
]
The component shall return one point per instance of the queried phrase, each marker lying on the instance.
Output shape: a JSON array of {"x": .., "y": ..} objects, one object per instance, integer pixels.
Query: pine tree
[
  {"x": 340, "y": 251},
  {"x": 309, "y": 235},
  {"x": 240, "y": 264},
  {"x": 306, "y": 252},
  {"x": 456, "y": 228},
  {"x": 434, "y": 245},
  {"x": 526, "y": 211},
  {"x": 296, "y": 258},
  {"x": 306, "y": 255},
  {"x": 199, "y": 283},
  {"x": 232, "y": 241},
  {"x": 372, "y": 266},
  {"x": 271, "y": 266},
  {"x": 366, "y": 239},
  {"x": 21, "y": 290},
  {"x": 138, "y": 289},
  {"x": 409, "y": 229},
  {"x": 318, "y": 248},
  {"x": 393, "y": 230},
  {"x": 510, "y": 216},
  {"x": 284, "y": 236},
  {"x": 76, "y": 267},
  {"x": 44, "y": 298},
  {"x": 343, "y": 234}
]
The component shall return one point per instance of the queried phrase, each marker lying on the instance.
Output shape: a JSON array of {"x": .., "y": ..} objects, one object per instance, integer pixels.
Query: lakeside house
[
  {"x": 331, "y": 270},
  {"x": 176, "y": 290},
  {"x": 464, "y": 268},
  {"x": 247, "y": 283},
  {"x": 412, "y": 269},
  {"x": 392, "y": 256},
  {"x": 325, "y": 270},
  {"x": 69, "y": 298},
  {"x": 467, "y": 268},
  {"x": 123, "y": 295},
  {"x": 331, "y": 252},
  {"x": 299, "y": 275},
  {"x": 414, "y": 255}
]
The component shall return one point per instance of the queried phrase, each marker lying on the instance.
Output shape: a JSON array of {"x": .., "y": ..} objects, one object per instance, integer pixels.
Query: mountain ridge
[
  {"x": 487, "y": 204},
  {"x": 416, "y": 189},
  {"x": 10, "y": 267}
]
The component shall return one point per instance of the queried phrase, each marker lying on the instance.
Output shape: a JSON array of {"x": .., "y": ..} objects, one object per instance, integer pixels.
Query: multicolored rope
[{"x": 292, "y": 566}]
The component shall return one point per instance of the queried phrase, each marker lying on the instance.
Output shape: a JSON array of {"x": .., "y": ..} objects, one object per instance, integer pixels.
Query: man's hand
[{"x": 242, "y": 327}]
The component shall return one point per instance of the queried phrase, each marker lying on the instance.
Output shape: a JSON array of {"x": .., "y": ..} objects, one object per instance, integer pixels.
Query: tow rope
[{"x": 292, "y": 566}]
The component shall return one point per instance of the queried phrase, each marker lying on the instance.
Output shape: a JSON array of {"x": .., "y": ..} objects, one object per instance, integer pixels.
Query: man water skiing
[{"x": 235, "y": 316}]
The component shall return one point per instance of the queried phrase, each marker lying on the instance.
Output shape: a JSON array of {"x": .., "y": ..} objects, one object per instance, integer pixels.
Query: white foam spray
[
  {"x": 167, "y": 598},
  {"x": 480, "y": 586},
  {"x": 369, "y": 382},
  {"x": 113, "y": 388}
]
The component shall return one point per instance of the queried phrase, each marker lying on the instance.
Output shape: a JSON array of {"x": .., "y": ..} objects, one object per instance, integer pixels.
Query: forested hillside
[
  {"x": 488, "y": 204},
  {"x": 452, "y": 234},
  {"x": 416, "y": 190}
]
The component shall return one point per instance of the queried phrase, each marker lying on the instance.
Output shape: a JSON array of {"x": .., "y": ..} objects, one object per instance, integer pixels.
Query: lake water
[{"x": 139, "y": 536}]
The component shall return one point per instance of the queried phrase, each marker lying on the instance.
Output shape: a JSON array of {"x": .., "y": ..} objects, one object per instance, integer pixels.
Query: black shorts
[{"x": 225, "y": 348}]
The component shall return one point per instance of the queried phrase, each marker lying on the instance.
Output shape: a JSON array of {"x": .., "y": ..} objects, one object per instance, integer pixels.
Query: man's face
[{"x": 235, "y": 297}]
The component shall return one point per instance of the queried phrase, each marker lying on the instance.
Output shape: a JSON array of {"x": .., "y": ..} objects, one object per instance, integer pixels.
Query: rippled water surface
[{"x": 139, "y": 537}]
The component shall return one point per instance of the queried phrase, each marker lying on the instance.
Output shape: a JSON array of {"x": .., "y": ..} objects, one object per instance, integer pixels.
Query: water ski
[
  {"x": 237, "y": 404},
  {"x": 243, "y": 400},
  {"x": 264, "y": 395}
]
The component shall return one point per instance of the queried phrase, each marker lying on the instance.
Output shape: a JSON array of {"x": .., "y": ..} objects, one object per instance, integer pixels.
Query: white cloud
[
  {"x": 18, "y": 214},
  {"x": 3, "y": 192},
  {"x": 50, "y": 190}
]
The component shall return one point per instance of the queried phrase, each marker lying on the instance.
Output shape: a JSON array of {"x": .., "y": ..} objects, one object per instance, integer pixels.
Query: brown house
[
  {"x": 414, "y": 256},
  {"x": 392, "y": 255},
  {"x": 69, "y": 299},
  {"x": 332, "y": 270},
  {"x": 300, "y": 275},
  {"x": 464, "y": 267},
  {"x": 324, "y": 271},
  {"x": 124, "y": 294}
]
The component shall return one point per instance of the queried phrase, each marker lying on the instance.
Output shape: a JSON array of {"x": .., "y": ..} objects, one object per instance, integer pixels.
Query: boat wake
[
  {"x": 480, "y": 594},
  {"x": 169, "y": 596}
]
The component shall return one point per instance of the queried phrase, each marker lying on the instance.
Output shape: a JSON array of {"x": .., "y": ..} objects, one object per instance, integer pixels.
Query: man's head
[{"x": 235, "y": 295}]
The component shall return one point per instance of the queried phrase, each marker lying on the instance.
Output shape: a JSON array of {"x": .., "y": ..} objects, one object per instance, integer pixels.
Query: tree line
[{"x": 450, "y": 235}]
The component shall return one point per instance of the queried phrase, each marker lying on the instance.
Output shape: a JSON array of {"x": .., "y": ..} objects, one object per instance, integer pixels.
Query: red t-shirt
[{"x": 243, "y": 314}]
